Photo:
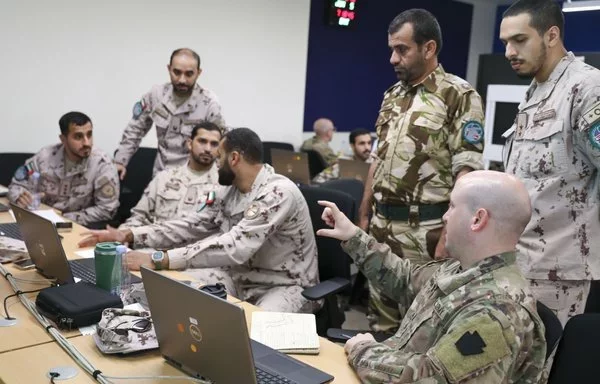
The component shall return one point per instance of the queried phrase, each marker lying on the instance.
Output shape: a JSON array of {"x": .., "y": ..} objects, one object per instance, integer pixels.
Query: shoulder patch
[
  {"x": 108, "y": 190},
  {"x": 594, "y": 135},
  {"x": 138, "y": 109},
  {"x": 252, "y": 211},
  {"x": 472, "y": 132},
  {"x": 471, "y": 347},
  {"x": 591, "y": 116},
  {"x": 20, "y": 173}
]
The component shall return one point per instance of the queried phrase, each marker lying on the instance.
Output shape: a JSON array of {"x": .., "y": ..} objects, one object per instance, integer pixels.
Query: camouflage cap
[{"x": 125, "y": 331}]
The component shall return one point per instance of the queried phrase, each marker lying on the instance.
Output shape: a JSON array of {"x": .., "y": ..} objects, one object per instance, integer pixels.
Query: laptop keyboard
[
  {"x": 264, "y": 377},
  {"x": 11, "y": 230},
  {"x": 83, "y": 272}
]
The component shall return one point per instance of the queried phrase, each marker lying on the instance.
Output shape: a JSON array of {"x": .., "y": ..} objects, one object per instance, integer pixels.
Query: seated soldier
[
  {"x": 324, "y": 129},
  {"x": 360, "y": 142},
  {"x": 74, "y": 178},
  {"x": 266, "y": 247},
  {"x": 177, "y": 191},
  {"x": 473, "y": 318}
]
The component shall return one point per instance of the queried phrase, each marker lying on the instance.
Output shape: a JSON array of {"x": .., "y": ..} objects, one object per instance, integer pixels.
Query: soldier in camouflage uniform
[
  {"x": 174, "y": 108},
  {"x": 472, "y": 319},
  {"x": 324, "y": 129},
  {"x": 430, "y": 131},
  {"x": 266, "y": 236},
  {"x": 554, "y": 148},
  {"x": 360, "y": 142},
  {"x": 74, "y": 177},
  {"x": 178, "y": 191}
]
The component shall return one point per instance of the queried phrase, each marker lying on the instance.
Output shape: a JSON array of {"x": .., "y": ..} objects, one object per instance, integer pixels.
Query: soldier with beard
[
  {"x": 554, "y": 148},
  {"x": 265, "y": 247},
  {"x": 74, "y": 177},
  {"x": 178, "y": 191},
  {"x": 174, "y": 108}
]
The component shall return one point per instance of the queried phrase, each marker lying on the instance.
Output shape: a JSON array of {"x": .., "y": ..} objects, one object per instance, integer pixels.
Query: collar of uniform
[
  {"x": 59, "y": 157},
  {"x": 257, "y": 186},
  {"x": 189, "y": 105},
  {"x": 539, "y": 92},
  {"x": 449, "y": 282},
  {"x": 431, "y": 82},
  {"x": 210, "y": 176}
]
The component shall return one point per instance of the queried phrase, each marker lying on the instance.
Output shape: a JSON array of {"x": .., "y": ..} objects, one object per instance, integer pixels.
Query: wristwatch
[{"x": 157, "y": 259}]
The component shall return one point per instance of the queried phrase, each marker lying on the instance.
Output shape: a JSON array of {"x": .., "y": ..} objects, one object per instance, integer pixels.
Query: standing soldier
[
  {"x": 174, "y": 108},
  {"x": 430, "y": 133}
]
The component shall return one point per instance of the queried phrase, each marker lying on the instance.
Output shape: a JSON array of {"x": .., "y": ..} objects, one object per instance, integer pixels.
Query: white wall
[{"x": 99, "y": 57}]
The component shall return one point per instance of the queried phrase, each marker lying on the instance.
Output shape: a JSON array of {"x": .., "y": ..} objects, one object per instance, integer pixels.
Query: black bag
[{"x": 71, "y": 306}]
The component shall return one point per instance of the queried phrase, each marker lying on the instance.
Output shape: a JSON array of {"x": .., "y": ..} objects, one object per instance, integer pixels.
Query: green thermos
[{"x": 108, "y": 266}]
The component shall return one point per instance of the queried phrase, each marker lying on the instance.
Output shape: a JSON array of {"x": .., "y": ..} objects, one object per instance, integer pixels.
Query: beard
[
  {"x": 412, "y": 73},
  {"x": 203, "y": 158},
  {"x": 182, "y": 90},
  {"x": 226, "y": 175},
  {"x": 536, "y": 64}
]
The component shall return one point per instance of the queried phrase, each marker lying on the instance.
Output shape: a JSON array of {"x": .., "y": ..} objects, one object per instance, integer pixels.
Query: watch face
[{"x": 158, "y": 256}]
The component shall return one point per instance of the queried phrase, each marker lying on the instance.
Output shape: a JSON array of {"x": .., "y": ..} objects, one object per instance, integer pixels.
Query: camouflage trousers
[
  {"x": 414, "y": 243},
  {"x": 268, "y": 298}
]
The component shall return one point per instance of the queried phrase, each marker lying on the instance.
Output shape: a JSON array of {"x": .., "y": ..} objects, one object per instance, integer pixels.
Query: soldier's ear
[
  {"x": 63, "y": 139},
  {"x": 188, "y": 143}
]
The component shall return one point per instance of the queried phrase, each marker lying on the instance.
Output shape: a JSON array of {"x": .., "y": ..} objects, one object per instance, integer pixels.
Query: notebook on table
[{"x": 286, "y": 332}]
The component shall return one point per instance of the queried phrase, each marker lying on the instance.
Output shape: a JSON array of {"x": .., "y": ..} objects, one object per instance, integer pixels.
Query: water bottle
[
  {"x": 108, "y": 267},
  {"x": 36, "y": 198},
  {"x": 125, "y": 278}
]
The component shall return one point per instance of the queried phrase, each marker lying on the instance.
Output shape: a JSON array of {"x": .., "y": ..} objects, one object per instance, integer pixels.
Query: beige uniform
[
  {"x": 173, "y": 124},
  {"x": 86, "y": 193},
  {"x": 173, "y": 193},
  {"x": 316, "y": 144},
  {"x": 266, "y": 241},
  {"x": 426, "y": 134},
  {"x": 554, "y": 148}
]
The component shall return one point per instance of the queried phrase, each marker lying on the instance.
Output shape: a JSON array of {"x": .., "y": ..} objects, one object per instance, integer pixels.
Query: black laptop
[
  {"x": 47, "y": 253},
  {"x": 207, "y": 337}
]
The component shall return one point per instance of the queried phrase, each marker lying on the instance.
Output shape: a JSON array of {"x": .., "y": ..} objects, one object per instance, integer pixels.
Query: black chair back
[
  {"x": 268, "y": 145},
  {"x": 353, "y": 187},
  {"x": 553, "y": 327},
  {"x": 316, "y": 162},
  {"x": 576, "y": 359},
  {"x": 137, "y": 178},
  {"x": 9, "y": 162}
]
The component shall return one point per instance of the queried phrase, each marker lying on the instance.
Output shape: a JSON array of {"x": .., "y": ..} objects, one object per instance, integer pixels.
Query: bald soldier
[
  {"x": 472, "y": 318},
  {"x": 324, "y": 130},
  {"x": 265, "y": 247},
  {"x": 174, "y": 108},
  {"x": 178, "y": 191},
  {"x": 74, "y": 177},
  {"x": 430, "y": 133}
]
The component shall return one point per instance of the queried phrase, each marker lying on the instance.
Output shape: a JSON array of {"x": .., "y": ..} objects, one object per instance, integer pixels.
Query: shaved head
[
  {"x": 488, "y": 213},
  {"x": 323, "y": 126}
]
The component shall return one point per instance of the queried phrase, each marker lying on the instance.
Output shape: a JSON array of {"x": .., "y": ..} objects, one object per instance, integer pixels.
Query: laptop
[
  {"x": 353, "y": 169},
  {"x": 209, "y": 339},
  {"x": 293, "y": 165},
  {"x": 47, "y": 253}
]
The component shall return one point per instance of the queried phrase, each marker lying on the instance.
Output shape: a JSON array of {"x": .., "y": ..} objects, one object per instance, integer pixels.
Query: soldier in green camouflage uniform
[
  {"x": 430, "y": 131},
  {"x": 324, "y": 129},
  {"x": 472, "y": 319}
]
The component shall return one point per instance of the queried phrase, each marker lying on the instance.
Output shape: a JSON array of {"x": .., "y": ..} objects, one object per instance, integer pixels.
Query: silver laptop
[
  {"x": 353, "y": 169},
  {"x": 207, "y": 337},
  {"x": 47, "y": 253},
  {"x": 293, "y": 165}
]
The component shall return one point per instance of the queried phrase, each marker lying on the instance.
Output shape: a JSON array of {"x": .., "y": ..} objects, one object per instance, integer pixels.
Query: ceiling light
[{"x": 580, "y": 6}]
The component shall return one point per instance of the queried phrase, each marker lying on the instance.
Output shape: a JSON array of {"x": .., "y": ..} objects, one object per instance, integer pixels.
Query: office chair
[
  {"x": 137, "y": 178},
  {"x": 576, "y": 359},
  {"x": 334, "y": 263},
  {"x": 553, "y": 327},
  {"x": 316, "y": 162},
  {"x": 268, "y": 145},
  {"x": 9, "y": 162},
  {"x": 353, "y": 187},
  {"x": 593, "y": 301}
]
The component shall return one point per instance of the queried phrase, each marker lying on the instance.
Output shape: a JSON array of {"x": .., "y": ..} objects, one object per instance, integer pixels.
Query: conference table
[{"x": 28, "y": 352}]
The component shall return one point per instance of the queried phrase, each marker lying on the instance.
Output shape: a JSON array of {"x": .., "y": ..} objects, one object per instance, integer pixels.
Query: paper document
[
  {"x": 286, "y": 332},
  {"x": 50, "y": 215}
]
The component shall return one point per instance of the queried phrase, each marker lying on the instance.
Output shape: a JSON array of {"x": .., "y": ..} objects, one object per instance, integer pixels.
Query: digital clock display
[{"x": 341, "y": 13}]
